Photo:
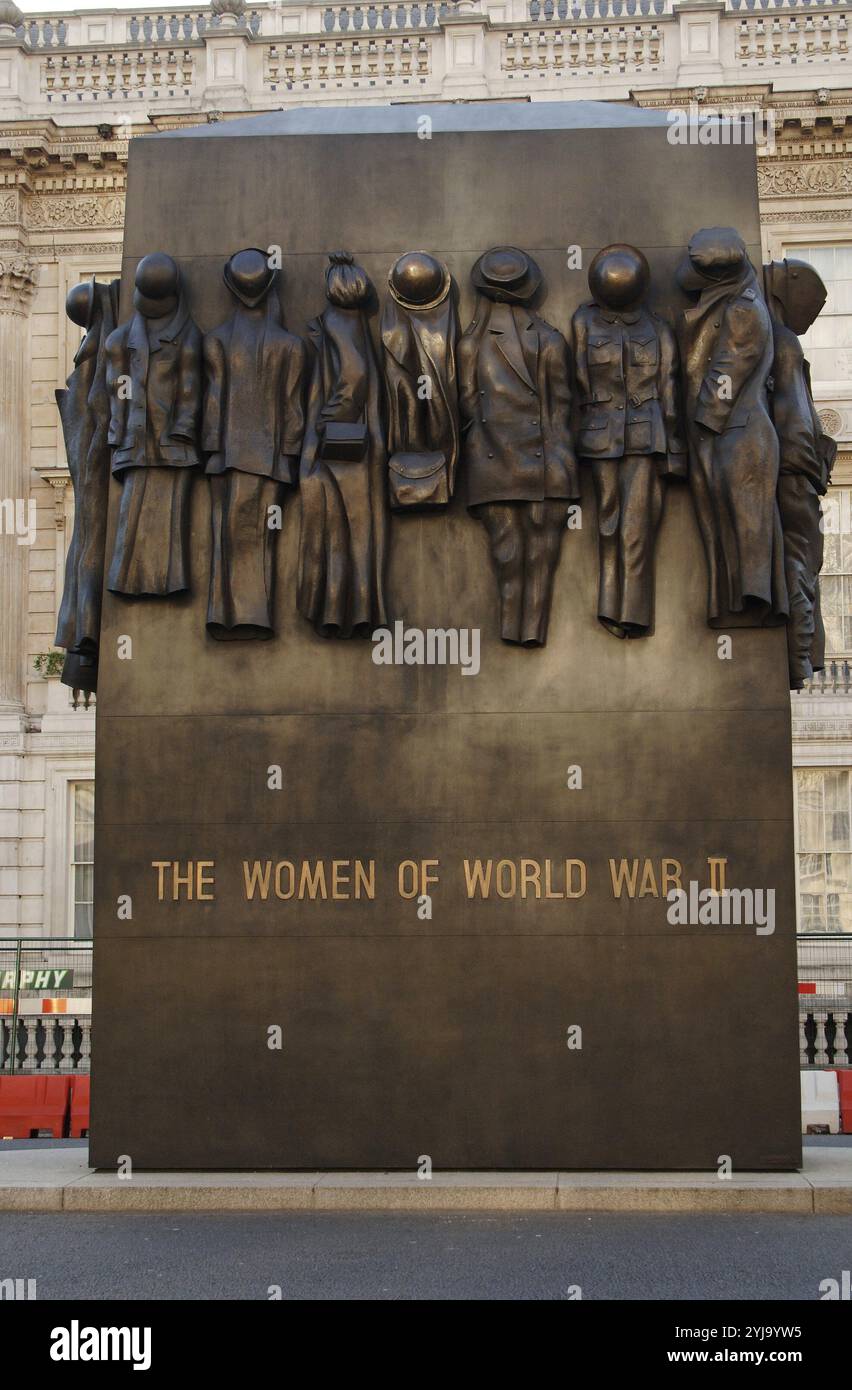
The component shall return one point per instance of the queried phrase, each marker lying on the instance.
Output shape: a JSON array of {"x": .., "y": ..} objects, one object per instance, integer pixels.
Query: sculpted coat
[
  {"x": 252, "y": 426},
  {"x": 795, "y": 295},
  {"x": 518, "y": 459},
  {"x": 727, "y": 351},
  {"x": 85, "y": 414},
  {"x": 515, "y": 399},
  {"x": 154, "y": 379},
  {"x": 629, "y": 434},
  {"x": 343, "y": 471},
  {"x": 419, "y": 334}
]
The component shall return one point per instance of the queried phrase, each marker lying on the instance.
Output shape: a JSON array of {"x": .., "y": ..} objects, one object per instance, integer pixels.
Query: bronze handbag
[
  {"x": 418, "y": 480},
  {"x": 343, "y": 441}
]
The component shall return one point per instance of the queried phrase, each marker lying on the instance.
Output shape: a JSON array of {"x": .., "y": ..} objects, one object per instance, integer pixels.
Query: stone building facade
[{"x": 74, "y": 88}]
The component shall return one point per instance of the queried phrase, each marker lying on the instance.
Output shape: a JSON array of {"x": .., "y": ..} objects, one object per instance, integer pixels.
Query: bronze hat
[
  {"x": 715, "y": 254},
  {"x": 249, "y": 276},
  {"x": 157, "y": 290},
  {"x": 619, "y": 276},
  {"x": 80, "y": 304},
  {"x": 419, "y": 281},
  {"x": 799, "y": 289},
  {"x": 506, "y": 273}
]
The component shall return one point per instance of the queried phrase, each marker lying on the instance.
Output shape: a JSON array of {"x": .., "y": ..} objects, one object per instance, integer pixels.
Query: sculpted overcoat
[
  {"x": 727, "y": 354},
  {"x": 515, "y": 401}
]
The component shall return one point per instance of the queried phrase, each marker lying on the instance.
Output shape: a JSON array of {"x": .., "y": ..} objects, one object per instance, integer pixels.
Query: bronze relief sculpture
[
  {"x": 419, "y": 335},
  {"x": 626, "y": 363},
  {"x": 519, "y": 464},
  {"x": 84, "y": 412},
  {"x": 252, "y": 427},
  {"x": 795, "y": 295},
  {"x": 343, "y": 469},
  {"x": 154, "y": 379},
  {"x": 727, "y": 351}
]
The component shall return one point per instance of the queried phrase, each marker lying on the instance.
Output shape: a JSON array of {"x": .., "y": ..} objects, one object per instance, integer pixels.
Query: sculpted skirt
[
  {"x": 342, "y": 548},
  {"x": 242, "y": 562},
  {"x": 151, "y": 551}
]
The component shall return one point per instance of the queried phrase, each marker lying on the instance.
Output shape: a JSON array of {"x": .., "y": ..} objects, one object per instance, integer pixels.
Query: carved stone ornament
[{"x": 18, "y": 278}]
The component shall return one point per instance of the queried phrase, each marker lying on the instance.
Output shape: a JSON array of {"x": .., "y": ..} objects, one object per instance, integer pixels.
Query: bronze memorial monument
[{"x": 479, "y": 884}]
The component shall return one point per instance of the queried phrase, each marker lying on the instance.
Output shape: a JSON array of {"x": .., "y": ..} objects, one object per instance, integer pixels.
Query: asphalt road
[{"x": 448, "y": 1256}]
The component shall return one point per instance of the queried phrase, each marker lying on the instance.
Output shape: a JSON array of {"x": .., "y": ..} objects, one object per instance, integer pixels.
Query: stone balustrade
[{"x": 198, "y": 61}]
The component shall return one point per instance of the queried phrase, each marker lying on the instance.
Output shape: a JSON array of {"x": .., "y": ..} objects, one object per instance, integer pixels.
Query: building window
[
  {"x": 824, "y": 849},
  {"x": 83, "y": 857},
  {"x": 836, "y": 579},
  {"x": 828, "y": 343}
]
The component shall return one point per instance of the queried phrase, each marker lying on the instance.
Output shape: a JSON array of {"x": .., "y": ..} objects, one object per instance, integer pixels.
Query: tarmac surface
[{"x": 447, "y": 1256}]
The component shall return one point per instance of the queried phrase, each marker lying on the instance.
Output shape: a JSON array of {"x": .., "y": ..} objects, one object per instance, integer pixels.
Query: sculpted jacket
[
  {"x": 515, "y": 403},
  {"x": 156, "y": 422},
  {"x": 627, "y": 378},
  {"x": 727, "y": 350},
  {"x": 254, "y": 416}
]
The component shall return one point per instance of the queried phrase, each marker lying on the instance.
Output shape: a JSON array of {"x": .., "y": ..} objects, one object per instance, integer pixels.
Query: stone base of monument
[
  {"x": 252, "y": 1012},
  {"x": 61, "y": 1180}
]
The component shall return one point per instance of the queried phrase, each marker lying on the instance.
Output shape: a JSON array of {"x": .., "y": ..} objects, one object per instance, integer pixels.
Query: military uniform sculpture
[{"x": 626, "y": 360}]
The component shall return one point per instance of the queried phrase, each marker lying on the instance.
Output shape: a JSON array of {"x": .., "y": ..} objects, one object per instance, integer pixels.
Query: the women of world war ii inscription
[{"x": 463, "y": 546}]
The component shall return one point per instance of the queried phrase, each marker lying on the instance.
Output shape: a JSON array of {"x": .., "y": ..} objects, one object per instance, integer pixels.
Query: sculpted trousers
[
  {"x": 629, "y": 493},
  {"x": 525, "y": 542},
  {"x": 242, "y": 561},
  {"x": 803, "y": 548}
]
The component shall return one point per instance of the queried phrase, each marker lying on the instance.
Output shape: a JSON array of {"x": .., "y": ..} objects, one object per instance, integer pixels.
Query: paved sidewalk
[{"x": 60, "y": 1179}]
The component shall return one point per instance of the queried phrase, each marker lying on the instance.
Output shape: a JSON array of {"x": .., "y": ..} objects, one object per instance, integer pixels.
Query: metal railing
[
  {"x": 825, "y": 1000},
  {"x": 45, "y": 1006}
]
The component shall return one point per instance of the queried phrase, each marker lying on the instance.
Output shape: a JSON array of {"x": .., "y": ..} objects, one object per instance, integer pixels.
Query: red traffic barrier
[
  {"x": 844, "y": 1091},
  {"x": 29, "y": 1103},
  {"x": 79, "y": 1107}
]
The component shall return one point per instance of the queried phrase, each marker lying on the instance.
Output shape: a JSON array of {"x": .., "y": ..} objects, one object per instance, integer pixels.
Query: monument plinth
[{"x": 430, "y": 877}]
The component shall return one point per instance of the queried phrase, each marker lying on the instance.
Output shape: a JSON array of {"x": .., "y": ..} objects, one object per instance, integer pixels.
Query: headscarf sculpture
[
  {"x": 343, "y": 470},
  {"x": 154, "y": 377},
  {"x": 518, "y": 459},
  {"x": 795, "y": 295},
  {"x": 252, "y": 426},
  {"x": 419, "y": 334},
  {"x": 629, "y": 432},
  {"x": 84, "y": 411},
  {"x": 726, "y": 352}
]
